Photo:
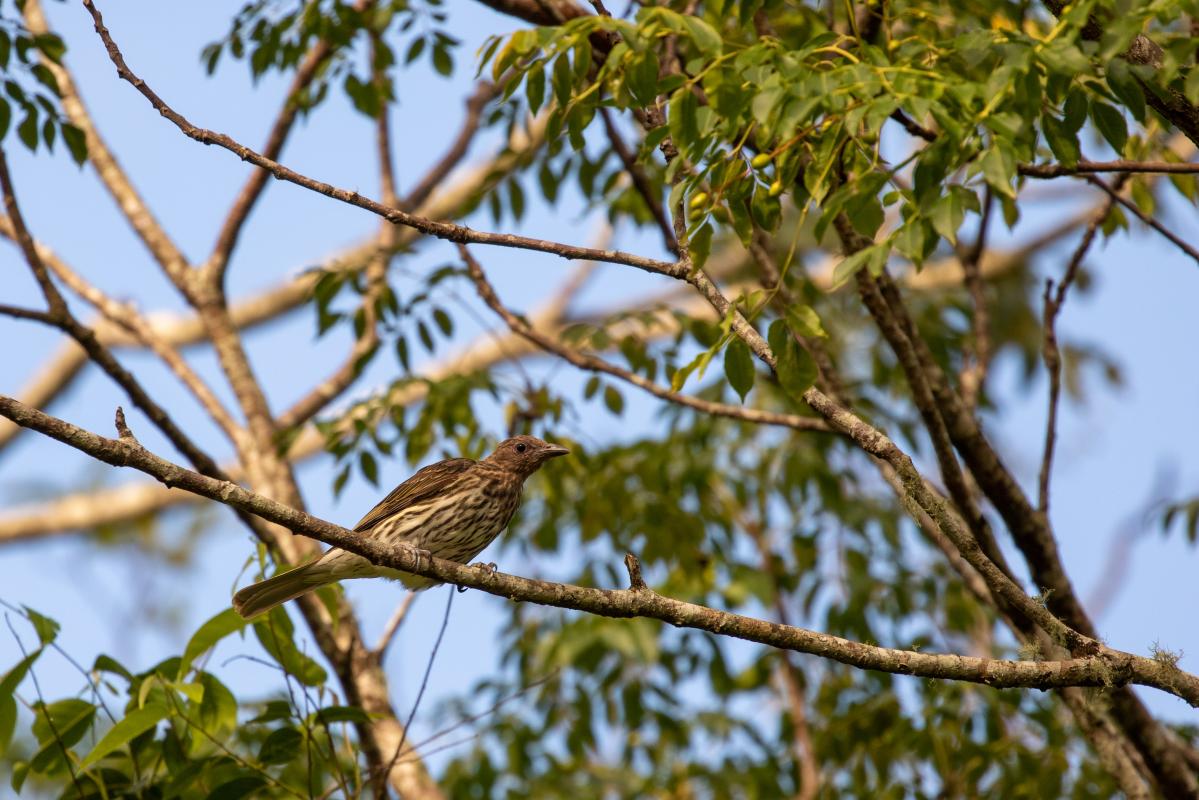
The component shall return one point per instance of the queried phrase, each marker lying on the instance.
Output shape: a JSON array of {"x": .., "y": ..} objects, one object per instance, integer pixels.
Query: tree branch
[
  {"x": 1051, "y": 352},
  {"x": 111, "y": 174},
  {"x": 306, "y": 72},
  {"x": 441, "y": 230},
  {"x": 594, "y": 364},
  {"x": 1105, "y": 668}
]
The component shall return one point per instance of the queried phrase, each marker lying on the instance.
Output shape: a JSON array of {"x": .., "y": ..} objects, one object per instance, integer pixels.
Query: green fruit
[
  {"x": 761, "y": 160},
  {"x": 699, "y": 200}
]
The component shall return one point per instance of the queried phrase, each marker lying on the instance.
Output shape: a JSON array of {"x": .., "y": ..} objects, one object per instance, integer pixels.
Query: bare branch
[
  {"x": 1145, "y": 218},
  {"x": 306, "y": 72},
  {"x": 441, "y": 230},
  {"x": 111, "y": 174},
  {"x": 1053, "y": 302},
  {"x": 1105, "y": 667},
  {"x": 594, "y": 364},
  {"x": 1085, "y": 167},
  {"x": 393, "y": 626}
]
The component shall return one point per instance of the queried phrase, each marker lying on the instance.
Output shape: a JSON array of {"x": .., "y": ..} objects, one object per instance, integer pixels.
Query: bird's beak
[{"x": 554, "y": 450}]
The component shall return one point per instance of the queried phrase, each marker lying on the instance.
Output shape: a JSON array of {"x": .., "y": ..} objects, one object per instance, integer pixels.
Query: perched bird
[{"x": 452, "y": 509}]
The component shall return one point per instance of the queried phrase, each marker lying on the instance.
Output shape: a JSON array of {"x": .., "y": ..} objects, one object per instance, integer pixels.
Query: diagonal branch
[
  {"x": 441, "y": 230},
  {"x": 164, "y": 250},
  {"x": 595, "y": 364},
  {"x": 251, "y": 191},
  {"x": 1103, "y": 668},
  {"x": 1115, "y": 195}
]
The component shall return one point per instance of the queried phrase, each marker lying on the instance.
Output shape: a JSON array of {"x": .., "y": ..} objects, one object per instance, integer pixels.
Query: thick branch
[
  {"x": 112, "y": 175},
  {"x": 1103, "y": 669}
]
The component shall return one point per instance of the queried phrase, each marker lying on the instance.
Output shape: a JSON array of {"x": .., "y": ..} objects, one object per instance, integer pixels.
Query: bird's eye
[{"x": 520, "y": 448}]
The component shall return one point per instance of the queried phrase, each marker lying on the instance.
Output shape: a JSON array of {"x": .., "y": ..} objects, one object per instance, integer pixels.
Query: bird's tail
[{"x": 265, "y": 595}]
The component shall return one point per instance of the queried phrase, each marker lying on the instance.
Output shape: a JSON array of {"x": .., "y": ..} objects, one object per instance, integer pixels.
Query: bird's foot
[
  {"x": 423, "y": 555},
  {"x": 490, "y": 568}
]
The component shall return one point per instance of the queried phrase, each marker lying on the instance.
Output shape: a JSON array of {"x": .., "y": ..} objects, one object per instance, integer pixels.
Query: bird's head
[{"x": 524, "y": 455}]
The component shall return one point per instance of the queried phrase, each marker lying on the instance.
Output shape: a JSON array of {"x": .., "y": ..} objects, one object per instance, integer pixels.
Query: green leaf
[
  {"x": 947, "y": 215},
  {"x": 1111, "y": 124},
  {"x": 739, "y": 367},
  {"x": 237, "y": 788},
  {"x": 8, "y": 721},
  {"x": 75, "y": 139},
  {"x": 1074, "y": 112},
  {"x": 849, "y": 266},
  {"x": 135, "y": 723},
  {"x": 535, "y": 86},
  {"x": 275, "y": 632},
  {"x": 563, "y": 80},
  {"x": 443, "y": 62},
  {"x": 105, "y": 663},
  {"x": 1062, "y": 141},
  {"x": 704, "y": 35},
  {"x": 443, "y": 321},
  {"x": 5, "y": 117},
  {"x": 71, "y": 719},
  {"x": 1124, "y": 84},
  {"x": 613, "y": 400},
  {"x": 335, "y": 714},
  {"x": 682, "y": 118},
  {"x": 47, "y": 629},
  {"x": 281, "y": 746},
  {"x": 795, "y": 369},
  {"x": 805, "y": 320},
  {"x": 208, "y": 634},
  {"x": 999, "y": 169},
  {"x": 369, "y": 467},
  {"x": 27, "y": 131}
]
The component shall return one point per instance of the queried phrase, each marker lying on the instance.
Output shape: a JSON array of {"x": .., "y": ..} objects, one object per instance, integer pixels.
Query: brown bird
[{"x": 452, "y": 509}]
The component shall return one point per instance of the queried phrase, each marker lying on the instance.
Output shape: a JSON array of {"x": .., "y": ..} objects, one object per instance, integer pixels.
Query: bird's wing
[{"x": 421, "y": 486}]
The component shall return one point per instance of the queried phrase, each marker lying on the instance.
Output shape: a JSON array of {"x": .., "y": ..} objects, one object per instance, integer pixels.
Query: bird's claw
[{"x": 490, "y": 568}]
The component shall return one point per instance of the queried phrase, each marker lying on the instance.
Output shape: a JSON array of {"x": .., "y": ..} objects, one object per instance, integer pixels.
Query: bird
[{"x": 452, "y": 509}]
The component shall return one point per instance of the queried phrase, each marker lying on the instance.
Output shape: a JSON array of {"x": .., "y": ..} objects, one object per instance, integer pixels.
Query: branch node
[
  {"x": 636, "y": 582},
  {"x": 123, "y": 427}
]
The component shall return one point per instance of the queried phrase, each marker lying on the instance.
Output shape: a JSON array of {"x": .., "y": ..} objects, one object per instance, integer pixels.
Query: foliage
[
  {"x": 31, "y": 88},
  {"x": 762, "y": 123}
]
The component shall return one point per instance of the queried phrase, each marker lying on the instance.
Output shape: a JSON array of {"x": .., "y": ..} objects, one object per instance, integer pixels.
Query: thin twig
[
  {"x": 393, "y": 625},
  {"x": 594, "y": 364},
  {"x": 445, "y": 621},
  {"x": 441, "y": 230},
  {"x": 1143, "y": 217},
  {"x": 653, "y": 200},
  {"x": 37, "y": 688},
  {"x": 1053, "y": 301}
]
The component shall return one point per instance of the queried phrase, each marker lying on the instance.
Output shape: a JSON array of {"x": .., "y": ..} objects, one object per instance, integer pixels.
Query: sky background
[{"x": 1113, "y": 451}]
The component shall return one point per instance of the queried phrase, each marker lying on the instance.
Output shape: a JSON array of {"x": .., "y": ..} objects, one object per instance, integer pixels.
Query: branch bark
[{"x": 1106, "y": 667}]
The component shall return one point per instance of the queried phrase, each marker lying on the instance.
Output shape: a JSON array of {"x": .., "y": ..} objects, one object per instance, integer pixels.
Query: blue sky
[{"x": 1111, "y": 449}]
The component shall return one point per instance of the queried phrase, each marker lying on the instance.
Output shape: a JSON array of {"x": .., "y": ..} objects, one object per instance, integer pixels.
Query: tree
[{"x": 818, "y": 192}]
